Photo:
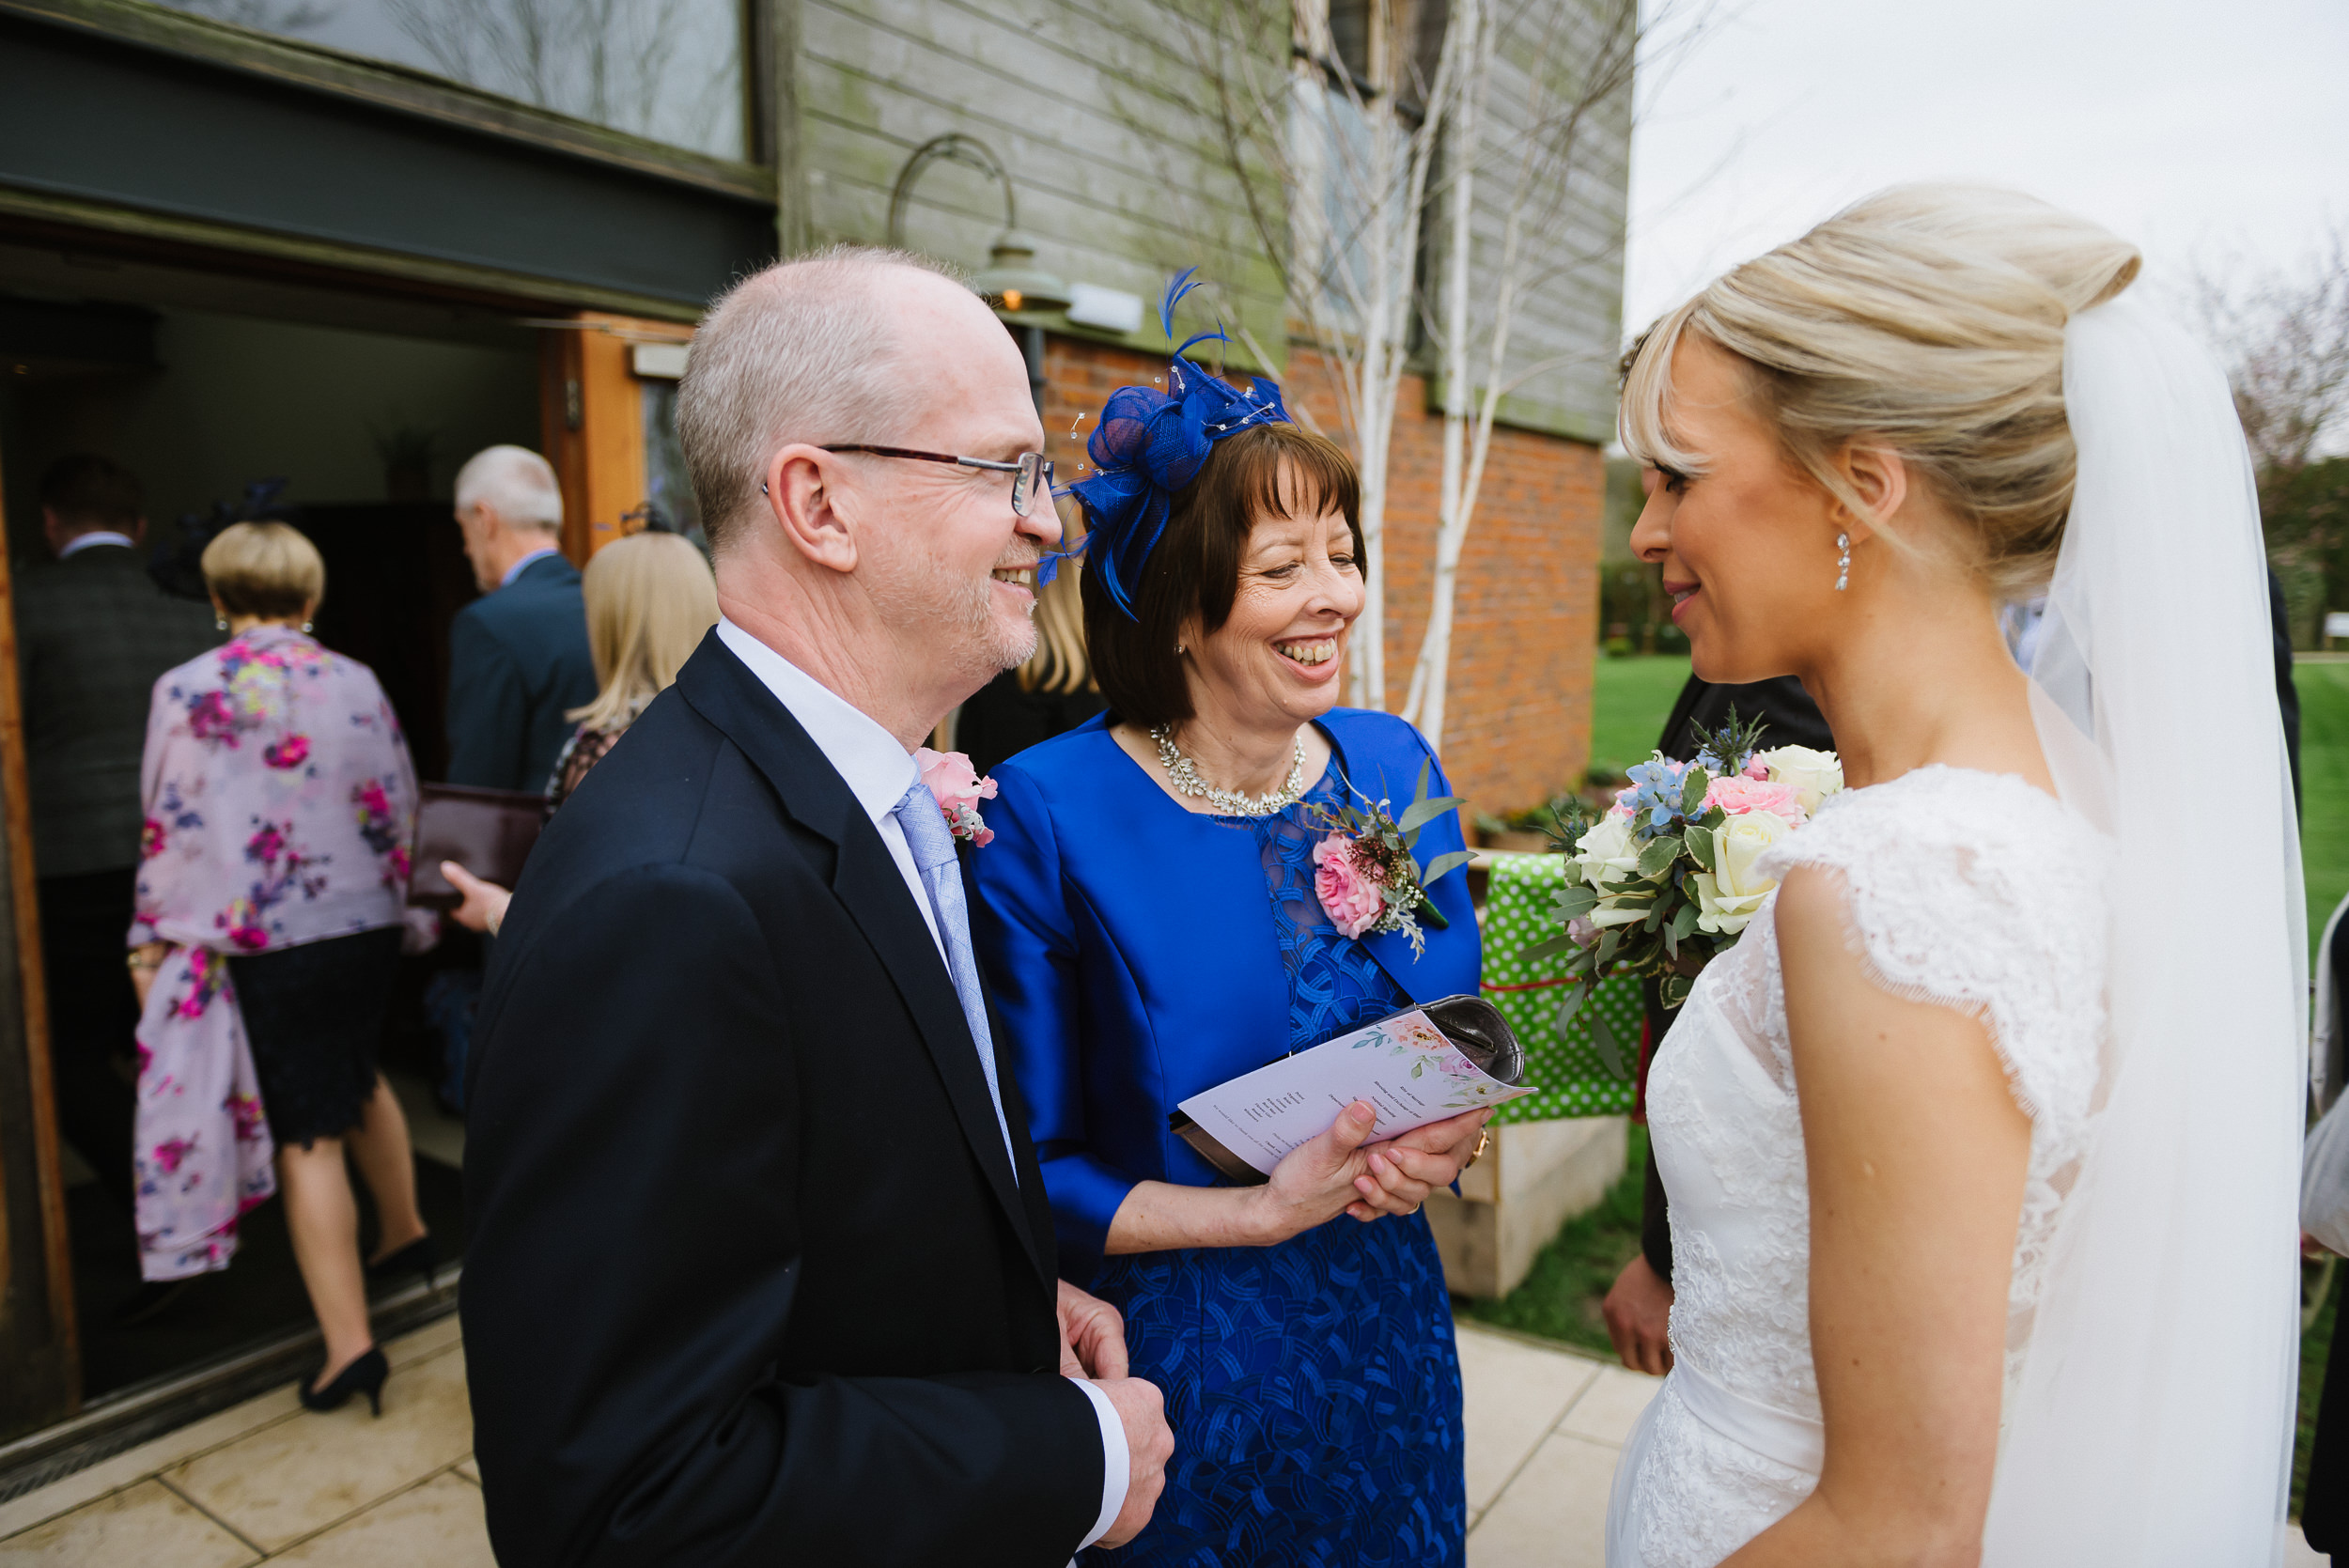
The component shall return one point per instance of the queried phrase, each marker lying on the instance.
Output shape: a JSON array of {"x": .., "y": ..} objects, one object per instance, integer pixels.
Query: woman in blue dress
[{"x": 1150, "y": 922}]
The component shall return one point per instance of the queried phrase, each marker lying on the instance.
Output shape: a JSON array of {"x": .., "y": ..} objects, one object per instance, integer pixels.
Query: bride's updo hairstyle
[{"x": 1928, "y": 318}]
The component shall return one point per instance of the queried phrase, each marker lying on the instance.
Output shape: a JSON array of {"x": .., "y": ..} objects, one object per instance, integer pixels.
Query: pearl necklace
[{"x": 1185, "y": 778}]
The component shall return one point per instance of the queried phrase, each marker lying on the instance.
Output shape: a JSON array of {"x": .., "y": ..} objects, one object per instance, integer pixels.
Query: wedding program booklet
[{"x": 1416, "y": 1067}]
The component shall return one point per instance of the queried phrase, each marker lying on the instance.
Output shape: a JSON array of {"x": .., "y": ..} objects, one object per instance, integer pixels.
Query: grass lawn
[{"x": 1631, "y": 699}]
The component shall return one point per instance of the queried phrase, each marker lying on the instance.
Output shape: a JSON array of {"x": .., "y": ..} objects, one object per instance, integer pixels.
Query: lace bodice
[{"x": 1969, "y": 890}]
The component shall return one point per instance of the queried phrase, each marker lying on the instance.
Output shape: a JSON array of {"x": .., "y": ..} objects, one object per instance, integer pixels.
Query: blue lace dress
[{"x": 1313, "y": 1387}]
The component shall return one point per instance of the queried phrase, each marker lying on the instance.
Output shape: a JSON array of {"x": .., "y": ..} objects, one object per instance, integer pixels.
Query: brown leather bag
[{"x": 488, "y": 831}]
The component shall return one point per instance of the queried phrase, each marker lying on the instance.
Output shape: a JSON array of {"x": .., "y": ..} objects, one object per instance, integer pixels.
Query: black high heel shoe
[
  {"x": 420, "y": 1256},
  {"x": 363, "y": 1377}
]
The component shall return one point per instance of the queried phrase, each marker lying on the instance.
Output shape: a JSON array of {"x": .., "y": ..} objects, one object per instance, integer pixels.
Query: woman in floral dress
[{"x": 280, "y": 803}]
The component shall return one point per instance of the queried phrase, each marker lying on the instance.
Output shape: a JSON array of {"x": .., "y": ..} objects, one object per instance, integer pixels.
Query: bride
[{"x": 1980, "y": 1151}]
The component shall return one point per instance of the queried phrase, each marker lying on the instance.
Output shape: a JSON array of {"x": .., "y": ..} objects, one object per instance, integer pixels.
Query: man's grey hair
[
  {"x": 806, "y": 350},
  {"x": 517, "y": 484}
]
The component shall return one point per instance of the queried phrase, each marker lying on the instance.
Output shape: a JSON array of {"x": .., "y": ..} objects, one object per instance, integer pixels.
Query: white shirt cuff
[{"x": 1116, "y": 1462}]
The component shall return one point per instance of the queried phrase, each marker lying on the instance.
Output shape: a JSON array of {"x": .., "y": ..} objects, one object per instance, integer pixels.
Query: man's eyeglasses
[{"x": 1031, "y": 473}]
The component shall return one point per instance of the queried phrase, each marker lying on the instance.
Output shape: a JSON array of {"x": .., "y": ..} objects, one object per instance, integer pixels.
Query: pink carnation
[
  {"x": 1350, "y": 898},
  {"x": 958, "y": 789},
  {"x": 1740, "y": 797}
]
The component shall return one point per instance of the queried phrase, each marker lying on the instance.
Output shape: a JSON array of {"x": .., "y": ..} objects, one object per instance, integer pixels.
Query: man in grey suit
[{"x": 93, "y": 632}]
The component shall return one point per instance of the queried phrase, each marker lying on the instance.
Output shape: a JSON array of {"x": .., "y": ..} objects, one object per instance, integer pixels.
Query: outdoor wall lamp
[{"x": 1012, "y": 280}]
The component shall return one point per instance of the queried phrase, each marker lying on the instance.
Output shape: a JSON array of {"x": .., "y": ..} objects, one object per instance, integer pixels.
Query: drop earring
[
  {"x": 306, "y": 626},
  {"x": 220, "y": 623},
  {"x": 1842, "y": 562}
]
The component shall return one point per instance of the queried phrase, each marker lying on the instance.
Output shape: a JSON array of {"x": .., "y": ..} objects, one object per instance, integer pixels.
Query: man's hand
[
  {"x": 1638, "y": 1313},
  {"x": 1149, "y": 1444},
  {"x": 1092, "y": 1336}
]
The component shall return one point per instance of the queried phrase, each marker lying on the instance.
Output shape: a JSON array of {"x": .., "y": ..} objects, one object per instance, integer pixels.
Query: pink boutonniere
[{"x": 960, "y": 789}]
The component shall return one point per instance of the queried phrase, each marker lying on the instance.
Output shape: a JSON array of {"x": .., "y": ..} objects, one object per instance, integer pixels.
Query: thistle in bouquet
[
  {"x": 1366, "y": 875},
  {"x": 1664, "y": 881}
]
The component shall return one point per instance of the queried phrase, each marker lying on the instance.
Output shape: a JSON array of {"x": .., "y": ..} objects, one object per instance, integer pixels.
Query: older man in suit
[
  {"x": 761, "y": 1268},
  {"x": 93, "y": 632},
  {"x": 518, "y": 656}
]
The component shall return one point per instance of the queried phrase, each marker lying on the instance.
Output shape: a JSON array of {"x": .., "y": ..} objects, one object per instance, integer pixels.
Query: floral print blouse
[{"x": 280, "y": 799}]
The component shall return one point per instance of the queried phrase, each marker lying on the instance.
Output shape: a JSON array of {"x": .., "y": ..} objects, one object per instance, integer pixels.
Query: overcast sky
[{"x": 2215, "y": 131}]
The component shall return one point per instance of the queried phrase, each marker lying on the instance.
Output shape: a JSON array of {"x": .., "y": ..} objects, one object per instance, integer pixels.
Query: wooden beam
[{"x": 44, "y": 1381}]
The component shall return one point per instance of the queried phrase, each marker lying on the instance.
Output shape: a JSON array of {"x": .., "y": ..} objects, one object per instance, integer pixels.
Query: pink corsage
[
  {"x": 1366, "y": 875},
  {"x": 958, "y": 789},
  {"x": 1348, "y": 894}
]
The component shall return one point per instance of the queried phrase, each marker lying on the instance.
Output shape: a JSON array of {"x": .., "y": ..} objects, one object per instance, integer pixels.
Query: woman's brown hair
[{"x": 1195, "y": 568}]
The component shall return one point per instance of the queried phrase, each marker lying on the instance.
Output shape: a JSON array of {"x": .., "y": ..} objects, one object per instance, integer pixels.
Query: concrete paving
[{"x": 268, "y": 1482}]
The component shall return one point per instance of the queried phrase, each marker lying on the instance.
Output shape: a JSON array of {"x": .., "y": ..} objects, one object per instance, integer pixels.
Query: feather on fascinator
[{"x": 1149, "y": 445}]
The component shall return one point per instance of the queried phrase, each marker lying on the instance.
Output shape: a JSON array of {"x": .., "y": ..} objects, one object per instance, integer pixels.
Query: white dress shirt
[
  {"x": 877, "y": 772},
  {"x": 96, "y": 537}
]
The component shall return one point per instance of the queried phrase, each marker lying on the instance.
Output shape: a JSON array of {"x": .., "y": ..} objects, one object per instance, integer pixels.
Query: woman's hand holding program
[{"x": 1404, "y": 1170}]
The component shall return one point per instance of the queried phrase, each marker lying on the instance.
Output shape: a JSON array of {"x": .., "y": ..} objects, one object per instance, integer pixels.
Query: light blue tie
[{"x": 933, "y": 846}]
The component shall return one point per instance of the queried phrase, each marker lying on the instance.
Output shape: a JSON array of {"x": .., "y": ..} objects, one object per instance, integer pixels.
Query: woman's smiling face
[
  {"x": 1281, "y": 654},
  {"x": 1748, "y": 547}
]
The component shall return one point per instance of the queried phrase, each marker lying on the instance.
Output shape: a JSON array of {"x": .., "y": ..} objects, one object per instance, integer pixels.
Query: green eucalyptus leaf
[
  {"x": 1425, "y": 812},
  {"x": 1443, "y": 865},
  {"x": 1551, "y": 948},
  {"x": 1609, "y": 1054}
]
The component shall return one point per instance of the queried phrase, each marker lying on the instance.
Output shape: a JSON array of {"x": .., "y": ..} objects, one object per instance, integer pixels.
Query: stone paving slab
[{"x": 269, "y": 1481}]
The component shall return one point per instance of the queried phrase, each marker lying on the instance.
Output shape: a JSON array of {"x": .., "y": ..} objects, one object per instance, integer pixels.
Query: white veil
[{"x": 2152, "y": 1424}]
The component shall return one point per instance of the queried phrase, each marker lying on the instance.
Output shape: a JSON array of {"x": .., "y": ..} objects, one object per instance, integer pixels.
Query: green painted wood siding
[{"x": 1115, "y": 172}]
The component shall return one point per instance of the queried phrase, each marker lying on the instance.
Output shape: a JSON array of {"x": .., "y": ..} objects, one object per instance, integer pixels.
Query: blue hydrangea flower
[{"x": 1654, "y": 794}]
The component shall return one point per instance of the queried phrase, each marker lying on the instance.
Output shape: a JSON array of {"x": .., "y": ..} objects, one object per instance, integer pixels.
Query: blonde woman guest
[
  {"x": 1982, "y": 1172},
  {"x": 280, "y": 802},
  {"x": 1050, "y": 694},
  {"x": 650, "y": 600}
]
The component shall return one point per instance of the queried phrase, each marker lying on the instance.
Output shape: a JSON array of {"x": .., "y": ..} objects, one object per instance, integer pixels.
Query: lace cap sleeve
[{"x": 1980, "y": 893}]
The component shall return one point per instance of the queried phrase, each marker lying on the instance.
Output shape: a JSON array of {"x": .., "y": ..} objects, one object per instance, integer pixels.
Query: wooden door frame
[
  {"x": 39, "y": 1342},
  {"x": 591, "y": 411}
]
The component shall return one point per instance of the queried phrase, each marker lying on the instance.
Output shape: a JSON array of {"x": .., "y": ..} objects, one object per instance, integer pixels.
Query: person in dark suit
[
  {"x": 93, "y": 632},
  {"x": 1638, "y": 1308},
  {"x": 518, "y": 656},
  {"x": 761, "y": 1268}
]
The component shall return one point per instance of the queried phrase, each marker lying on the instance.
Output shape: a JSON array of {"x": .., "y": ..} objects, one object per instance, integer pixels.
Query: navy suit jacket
[
  {"x": 518, "y": 662},
  {"x": 750, "y": 1279}
]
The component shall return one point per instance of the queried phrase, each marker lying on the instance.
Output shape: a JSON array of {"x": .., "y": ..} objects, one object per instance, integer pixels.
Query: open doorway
[{"x": 346, "y": 414}]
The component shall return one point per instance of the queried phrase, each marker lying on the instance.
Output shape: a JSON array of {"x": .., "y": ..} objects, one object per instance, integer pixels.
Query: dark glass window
[{"x": 668, "y": 69}]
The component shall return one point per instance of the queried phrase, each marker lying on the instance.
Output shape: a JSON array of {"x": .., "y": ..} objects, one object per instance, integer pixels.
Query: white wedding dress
[
  {"x": 1974, "y": 891},
  {"x": 2138, "y": 955}
]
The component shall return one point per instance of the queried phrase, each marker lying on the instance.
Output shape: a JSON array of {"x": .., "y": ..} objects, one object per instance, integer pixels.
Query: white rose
[
  {"x": 1606, "y": 853},
  {"x": 1815, "y": 775},
  {"x": 1732, "y": 893}
]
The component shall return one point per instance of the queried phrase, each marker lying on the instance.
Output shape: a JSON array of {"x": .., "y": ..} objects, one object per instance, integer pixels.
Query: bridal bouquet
[{"x": 1665, "y": 880}]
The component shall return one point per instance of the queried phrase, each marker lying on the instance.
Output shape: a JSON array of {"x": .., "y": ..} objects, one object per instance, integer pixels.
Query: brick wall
[{"x": 1519, "y": 721}]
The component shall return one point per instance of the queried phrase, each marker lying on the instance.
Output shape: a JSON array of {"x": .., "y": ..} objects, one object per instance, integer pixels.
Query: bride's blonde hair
[{"x": 1928, "y": 318}]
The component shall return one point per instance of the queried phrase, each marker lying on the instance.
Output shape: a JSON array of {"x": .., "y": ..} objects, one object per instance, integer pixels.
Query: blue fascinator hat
[{"x": 1150, "y": 444}]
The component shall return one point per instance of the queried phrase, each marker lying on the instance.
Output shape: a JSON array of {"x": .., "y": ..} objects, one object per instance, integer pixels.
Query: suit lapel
[{"x": 869, "y": 886}]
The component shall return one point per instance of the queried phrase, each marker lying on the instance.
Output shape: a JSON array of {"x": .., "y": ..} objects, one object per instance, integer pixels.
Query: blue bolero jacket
[{"x": 1133, "y": 961}]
